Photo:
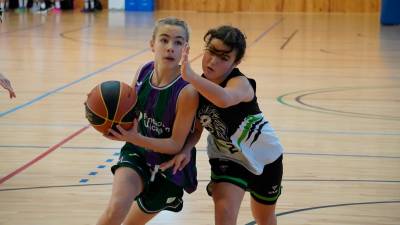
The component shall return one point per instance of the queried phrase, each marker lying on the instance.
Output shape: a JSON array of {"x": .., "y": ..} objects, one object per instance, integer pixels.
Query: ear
[{"x": 152, "y": 45}]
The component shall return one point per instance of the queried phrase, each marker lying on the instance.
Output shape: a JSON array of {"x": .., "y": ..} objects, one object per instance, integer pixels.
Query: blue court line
[
  {"x": 51, "y": 92},
  {"x": 95, "y": 173}
]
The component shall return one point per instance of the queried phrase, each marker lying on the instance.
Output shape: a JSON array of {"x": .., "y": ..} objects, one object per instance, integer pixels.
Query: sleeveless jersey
[
  {"x": 156, "y": 107},
  {"x": 239, "y": 133}
]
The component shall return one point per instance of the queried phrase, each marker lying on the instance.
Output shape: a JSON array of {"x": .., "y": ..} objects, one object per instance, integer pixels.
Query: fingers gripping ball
[{"x": 109, "y": 104}]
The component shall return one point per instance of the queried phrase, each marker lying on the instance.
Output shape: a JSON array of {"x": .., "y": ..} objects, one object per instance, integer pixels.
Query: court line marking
[
  {"x": 42, "y": 155},
  {"x": 250, "y": 223},
  {"x": 200, "y": 180},
  {"x": 300, "y": 152},
  {"x": 289, "y": 39},
  {"x": 267, "y": 31},
  {"x": 51, "y": 92},
  {"x": 298, "y": 95},
  {"x": 330, "y": 132},
  {"x": 300, "y": 100},
  {"x": 331, "y": 206}
]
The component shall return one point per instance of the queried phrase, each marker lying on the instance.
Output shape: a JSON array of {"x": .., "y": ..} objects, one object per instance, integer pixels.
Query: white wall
[{"x": 116, "y": 4}]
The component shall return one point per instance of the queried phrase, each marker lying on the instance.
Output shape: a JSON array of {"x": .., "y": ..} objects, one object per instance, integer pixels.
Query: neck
[{"x": 163, "y": 76}]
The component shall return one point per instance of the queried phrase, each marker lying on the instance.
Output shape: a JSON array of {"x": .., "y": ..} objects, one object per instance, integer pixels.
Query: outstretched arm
[
  {"x": 6, "y": 84},
  {"x": 238, "y": 89}
]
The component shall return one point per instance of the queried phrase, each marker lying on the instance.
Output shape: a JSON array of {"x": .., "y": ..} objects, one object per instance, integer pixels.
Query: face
[
  {"x": 218, "y": 62},
  {"x": 168, "y": 44}
]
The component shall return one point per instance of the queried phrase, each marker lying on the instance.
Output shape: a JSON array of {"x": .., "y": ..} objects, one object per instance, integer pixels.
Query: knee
[
  {"x": 117, "y": 209},
  {"x": 224, "y": 213}
]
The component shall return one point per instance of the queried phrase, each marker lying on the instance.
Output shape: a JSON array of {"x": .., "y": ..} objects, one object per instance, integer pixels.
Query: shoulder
[
  {"x": 188, "y": 96},
  {"x": 237, "y": 77},
  {"x": 189, "y": 91},
  {"x": 145, "y": 68}
]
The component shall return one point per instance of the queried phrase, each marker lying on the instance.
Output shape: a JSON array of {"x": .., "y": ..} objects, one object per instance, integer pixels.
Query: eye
[
  {"x": 180, "y": 43},
  {"x": 209, "y": 51},
  {"x": 224, "y": 58},
  {"x": 164, "y": 40}
]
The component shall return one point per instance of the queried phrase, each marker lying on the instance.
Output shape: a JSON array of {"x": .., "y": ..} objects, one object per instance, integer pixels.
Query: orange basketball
[{"x": 111, "y": 103}]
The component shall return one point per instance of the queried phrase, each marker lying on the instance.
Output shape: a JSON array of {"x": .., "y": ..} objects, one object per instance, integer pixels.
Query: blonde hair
[{"x": 171, "y": 21}]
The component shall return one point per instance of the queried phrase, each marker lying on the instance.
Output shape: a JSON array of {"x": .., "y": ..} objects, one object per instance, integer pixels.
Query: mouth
[
  {"x": 209, "y": 69},
  {"x": 169, "y": 58}
]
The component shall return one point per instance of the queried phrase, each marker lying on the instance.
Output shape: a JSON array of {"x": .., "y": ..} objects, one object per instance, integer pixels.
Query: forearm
[
  {"x": 193, "y": 138},
  {"x": 160, "y": 145},
  {"x": 191, "y": 142}
]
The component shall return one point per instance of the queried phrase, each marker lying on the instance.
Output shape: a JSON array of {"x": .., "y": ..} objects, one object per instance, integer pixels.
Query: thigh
[
  {"x": 134, "y": 158},
  {"x": 228, "y": 194},
  {"x": 127, "y": 184},
  {"x": 223, "y": 170},
  {"x": 266, "y": 187}
]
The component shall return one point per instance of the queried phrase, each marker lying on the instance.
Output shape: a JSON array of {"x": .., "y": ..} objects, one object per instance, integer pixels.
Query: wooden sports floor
[{"x": 328, "y": 83}]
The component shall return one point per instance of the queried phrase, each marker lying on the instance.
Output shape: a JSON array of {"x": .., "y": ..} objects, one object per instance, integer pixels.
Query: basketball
[{"x": 111, "y": 103}]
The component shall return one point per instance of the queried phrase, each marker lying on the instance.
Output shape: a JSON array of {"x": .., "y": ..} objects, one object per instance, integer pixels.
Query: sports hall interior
[{"x": 328, "y": 81}]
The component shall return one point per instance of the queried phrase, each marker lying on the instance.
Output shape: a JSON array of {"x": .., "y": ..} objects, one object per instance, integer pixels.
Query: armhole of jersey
[
  {"x": 140, "y": 75},
  {"x": 252, "y": 83}
]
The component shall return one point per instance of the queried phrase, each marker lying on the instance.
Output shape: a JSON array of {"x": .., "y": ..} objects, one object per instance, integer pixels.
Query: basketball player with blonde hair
[{"x": 166, "y": 105}]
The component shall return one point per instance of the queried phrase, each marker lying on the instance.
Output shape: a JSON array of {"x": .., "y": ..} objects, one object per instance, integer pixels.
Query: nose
[
  {"x": 214, "y": 60},
  {"x": 170, "y": 47}
]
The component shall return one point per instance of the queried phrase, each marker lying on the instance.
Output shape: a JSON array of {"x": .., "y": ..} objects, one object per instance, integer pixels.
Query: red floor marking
[{"x": 41, "y": 156}]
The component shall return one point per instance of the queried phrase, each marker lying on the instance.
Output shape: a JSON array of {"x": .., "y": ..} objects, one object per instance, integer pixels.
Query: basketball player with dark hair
[{"x": 245, "y": 154}]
